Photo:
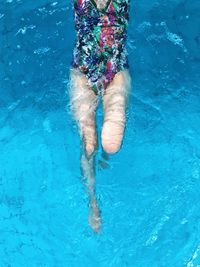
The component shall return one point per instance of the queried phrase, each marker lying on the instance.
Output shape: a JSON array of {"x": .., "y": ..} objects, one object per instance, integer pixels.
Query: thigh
[
  {"x": 83, "y": 101},
  {"x": 116, "y": 94}
]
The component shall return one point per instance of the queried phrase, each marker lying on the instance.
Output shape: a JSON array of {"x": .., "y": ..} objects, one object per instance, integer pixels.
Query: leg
[
  {"x": 114, "y": 104},
  {"x": 83, "y": 103}
]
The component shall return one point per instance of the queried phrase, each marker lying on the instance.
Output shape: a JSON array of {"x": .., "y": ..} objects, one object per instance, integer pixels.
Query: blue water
[{"x": 150, "y": 193}]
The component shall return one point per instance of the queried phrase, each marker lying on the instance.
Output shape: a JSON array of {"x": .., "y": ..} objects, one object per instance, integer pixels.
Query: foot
[{"x": 94, "y": 217}]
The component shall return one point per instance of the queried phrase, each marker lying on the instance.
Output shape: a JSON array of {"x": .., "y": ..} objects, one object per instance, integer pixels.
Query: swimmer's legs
[
  {"x": 88, "y": 172},
  {"x": 114, "y": 104},
  {"x": 83, "y": 106}
]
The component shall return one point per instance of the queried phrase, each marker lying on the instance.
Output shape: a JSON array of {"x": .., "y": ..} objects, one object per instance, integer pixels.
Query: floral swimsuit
[{"x": 100, "y": 50}]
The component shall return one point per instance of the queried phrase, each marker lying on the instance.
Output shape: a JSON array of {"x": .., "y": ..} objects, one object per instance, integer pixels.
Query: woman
[{"x": 99, "y": 69}]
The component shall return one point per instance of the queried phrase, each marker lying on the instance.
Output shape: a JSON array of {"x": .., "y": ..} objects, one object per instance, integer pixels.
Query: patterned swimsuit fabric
[{"x": 100, "y": 48}]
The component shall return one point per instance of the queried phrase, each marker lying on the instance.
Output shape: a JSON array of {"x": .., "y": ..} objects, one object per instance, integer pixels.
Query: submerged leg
[
  {"x": 114, "y": 105},
  {"x": 83, "y": 105},
  {"x": 88, "y": 172}
]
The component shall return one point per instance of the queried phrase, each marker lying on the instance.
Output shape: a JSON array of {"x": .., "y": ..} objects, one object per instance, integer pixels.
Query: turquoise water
[{"x": 149, "y": 195}]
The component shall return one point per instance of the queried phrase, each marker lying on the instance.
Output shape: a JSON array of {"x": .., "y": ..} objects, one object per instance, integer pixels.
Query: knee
[{"x": 90, "y": 149}]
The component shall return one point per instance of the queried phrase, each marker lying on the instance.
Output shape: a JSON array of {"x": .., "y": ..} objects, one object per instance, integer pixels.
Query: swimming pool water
[{"x": 150, "y": 193}]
